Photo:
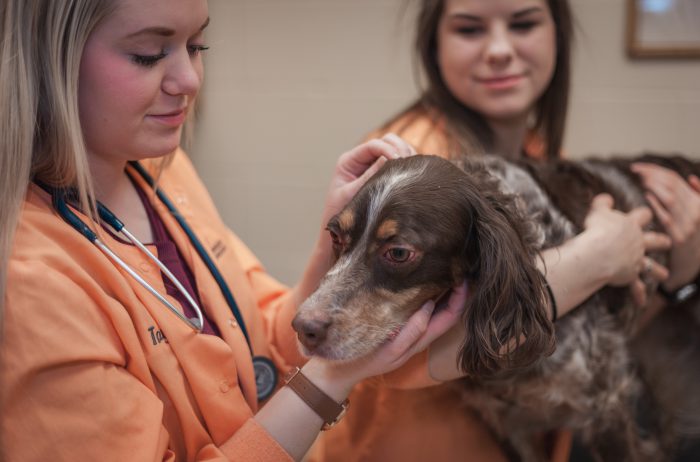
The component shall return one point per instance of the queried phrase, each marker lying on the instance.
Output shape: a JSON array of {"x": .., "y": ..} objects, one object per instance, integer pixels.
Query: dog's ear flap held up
[{"x": 506, "y": 321}]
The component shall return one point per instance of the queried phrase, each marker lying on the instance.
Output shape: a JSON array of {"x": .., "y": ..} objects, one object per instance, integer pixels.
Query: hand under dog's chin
[{"x": 339, "y": 355}]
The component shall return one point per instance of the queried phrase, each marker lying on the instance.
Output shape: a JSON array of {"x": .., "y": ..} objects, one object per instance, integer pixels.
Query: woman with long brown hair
[{"x": 497, "y": 80}]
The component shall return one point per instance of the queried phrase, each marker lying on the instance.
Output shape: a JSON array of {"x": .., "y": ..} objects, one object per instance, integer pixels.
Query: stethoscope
[{"x": 265, "y": 371}]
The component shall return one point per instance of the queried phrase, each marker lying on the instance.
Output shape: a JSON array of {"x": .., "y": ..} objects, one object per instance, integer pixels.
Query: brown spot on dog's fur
[
  {"x": 387, "y": 229},
  {"x": 346, "y": 220}
]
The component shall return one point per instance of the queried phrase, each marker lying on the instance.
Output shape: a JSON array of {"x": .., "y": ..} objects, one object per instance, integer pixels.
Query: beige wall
[
  {"x": 293, "y": 83},
  {"x": 623, "y": 105}
]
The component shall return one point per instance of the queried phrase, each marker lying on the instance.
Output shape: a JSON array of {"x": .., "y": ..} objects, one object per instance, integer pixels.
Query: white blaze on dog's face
[{"x": 398, "y": 244}]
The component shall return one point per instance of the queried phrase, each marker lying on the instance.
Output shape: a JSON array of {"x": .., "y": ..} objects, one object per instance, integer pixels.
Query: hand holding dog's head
[{"x": 419, "y": 227}]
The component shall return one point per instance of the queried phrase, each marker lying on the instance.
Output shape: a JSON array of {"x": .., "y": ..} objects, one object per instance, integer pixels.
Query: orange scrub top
[
  {"x": 394, "y": 421},
  {"x": 96, "y": 368}
]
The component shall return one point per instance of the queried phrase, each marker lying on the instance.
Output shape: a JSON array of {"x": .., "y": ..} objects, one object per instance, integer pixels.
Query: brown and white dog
[{"x": 423, "y": 224}]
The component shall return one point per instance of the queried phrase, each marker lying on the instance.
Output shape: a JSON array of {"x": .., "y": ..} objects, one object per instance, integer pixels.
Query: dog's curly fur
[{"x": 423, "y": 224}]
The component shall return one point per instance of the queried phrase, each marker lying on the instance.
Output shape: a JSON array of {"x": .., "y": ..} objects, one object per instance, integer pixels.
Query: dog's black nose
[{"x": 311, "y": 332}]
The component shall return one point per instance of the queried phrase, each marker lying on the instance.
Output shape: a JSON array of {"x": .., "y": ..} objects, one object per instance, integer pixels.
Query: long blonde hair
[{"x": 41, "y": 46}]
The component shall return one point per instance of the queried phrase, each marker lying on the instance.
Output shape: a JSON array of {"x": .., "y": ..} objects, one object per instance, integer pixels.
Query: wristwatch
[
  {"x": 679, "y": 295},
  {"x": 326, "y": 407}
]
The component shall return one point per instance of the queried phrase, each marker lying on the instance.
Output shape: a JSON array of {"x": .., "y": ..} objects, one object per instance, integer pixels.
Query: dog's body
[{"x": 422, "y": 225}]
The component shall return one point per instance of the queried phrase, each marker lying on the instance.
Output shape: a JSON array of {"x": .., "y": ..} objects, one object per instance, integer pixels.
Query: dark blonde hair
[
  {"x": 466, "y": 129},
  {"x": 41, "y": 45}
]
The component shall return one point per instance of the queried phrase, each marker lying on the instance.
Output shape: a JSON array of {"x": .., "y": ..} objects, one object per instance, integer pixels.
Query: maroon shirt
[{"x": 170, "y": 256}]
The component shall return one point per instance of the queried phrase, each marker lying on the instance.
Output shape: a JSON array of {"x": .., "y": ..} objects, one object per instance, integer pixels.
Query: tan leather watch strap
[{"x": 328, "y": 409}]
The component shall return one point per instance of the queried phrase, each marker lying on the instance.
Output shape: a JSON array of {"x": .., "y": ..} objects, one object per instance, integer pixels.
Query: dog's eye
[{"x": 398, "y": 255}]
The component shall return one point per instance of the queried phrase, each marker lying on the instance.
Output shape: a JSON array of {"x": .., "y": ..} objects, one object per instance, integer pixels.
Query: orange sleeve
[{"x": 252, "y": 443}]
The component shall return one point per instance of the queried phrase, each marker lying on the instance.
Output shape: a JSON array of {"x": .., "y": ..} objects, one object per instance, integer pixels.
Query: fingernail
[{"x": 429, "y": 306}]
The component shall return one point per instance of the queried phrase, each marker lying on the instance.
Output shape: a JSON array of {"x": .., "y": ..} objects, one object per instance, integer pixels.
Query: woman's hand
[
  {"x": 356, "y": 166},
  {"x": 418, "y": 333},
  {"x": 295, "y": 425},
  {"x": 352, "y": 170},
  {"x": 676, "y": 204},
  {"x": 421, "y": 329},
  {"x": 621, "y": 243}
]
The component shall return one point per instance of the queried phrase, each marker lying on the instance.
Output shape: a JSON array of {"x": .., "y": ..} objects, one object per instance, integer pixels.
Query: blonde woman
[{"x": 117, "y": 350}]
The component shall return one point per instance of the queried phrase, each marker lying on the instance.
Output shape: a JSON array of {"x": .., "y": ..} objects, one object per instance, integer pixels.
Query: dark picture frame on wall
[{"x": 663, "y": 28}]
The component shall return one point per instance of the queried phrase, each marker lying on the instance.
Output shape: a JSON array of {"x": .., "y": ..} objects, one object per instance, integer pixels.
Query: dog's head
[{"x": 420, "y": 226}]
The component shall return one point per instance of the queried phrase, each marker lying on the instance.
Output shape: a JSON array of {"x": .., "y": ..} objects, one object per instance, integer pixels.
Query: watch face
[{"x": 265, "y": 377}]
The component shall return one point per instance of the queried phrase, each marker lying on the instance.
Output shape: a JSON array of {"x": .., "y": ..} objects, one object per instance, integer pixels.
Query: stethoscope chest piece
[{"x": 265, "y": 377}]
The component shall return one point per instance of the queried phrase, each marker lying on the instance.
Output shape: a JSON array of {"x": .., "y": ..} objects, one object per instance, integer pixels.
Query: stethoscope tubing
[
  {"x": 265, "y": 372},
  {"x": 196, "y": 243},
  {"x": 58, "y": 198},
  {"x": 112, "y": 256},
  {"x": 107, "y": 216}
]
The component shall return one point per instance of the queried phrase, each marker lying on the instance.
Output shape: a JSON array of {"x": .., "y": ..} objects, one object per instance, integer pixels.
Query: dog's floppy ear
[{"x": 506, "y": 320}]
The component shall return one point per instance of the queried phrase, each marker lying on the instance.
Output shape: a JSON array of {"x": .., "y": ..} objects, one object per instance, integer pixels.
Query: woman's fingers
[
  {"x": 445, "y": 318},
  {"x": 424, "y": 326},
  {"x": 652, "y": 174},
  {"x": 355, "y": 162},
  {"x": 660, "y": 211},
  {"x": 401, "y": 347},
  {"x": 360, "y": 158},
  {"x": 694, "y": 181},
  {"x": 639, "y": 292},
  {"x": 641, "y": 215},
  {"x": 656, "y": 241},
  {"x": 675, "y": 201},
  {"x": 400, "y": 149},
  {"x": 404, "y": 148},
  {"x": 374, "y": 168},
  {"x": 676, "y": 204},
  {"x": 416, "y": 327},
  {"x": 651, "y": 269},
  {"x": 602, "y": 201}
]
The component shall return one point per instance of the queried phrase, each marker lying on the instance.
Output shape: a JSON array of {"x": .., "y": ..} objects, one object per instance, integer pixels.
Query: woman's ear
[{"x": 506, "y": 319}]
